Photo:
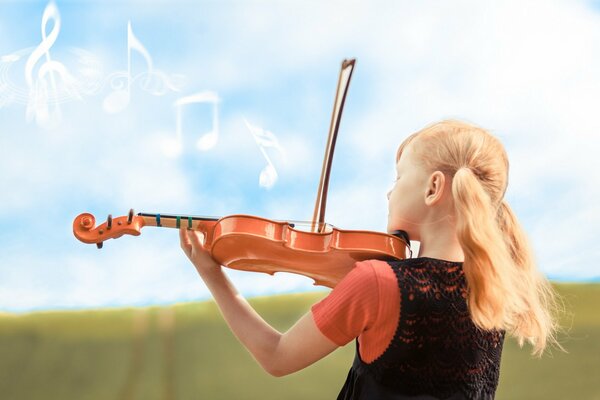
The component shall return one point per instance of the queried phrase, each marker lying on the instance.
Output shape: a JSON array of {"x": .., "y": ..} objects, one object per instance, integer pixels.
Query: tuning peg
[
  {"x": 130, "y": 217},
  {"x": 84, "y": 230}
]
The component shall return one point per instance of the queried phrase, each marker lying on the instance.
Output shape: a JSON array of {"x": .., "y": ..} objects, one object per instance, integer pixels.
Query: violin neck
[{"x": 176, "y": 221}]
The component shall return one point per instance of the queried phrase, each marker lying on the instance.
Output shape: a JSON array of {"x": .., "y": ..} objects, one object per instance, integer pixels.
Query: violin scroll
[{"x": 84, "y": 227}]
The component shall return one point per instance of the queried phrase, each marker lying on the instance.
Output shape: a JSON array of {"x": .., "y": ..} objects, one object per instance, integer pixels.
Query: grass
[{"x": 186, "y": 351}]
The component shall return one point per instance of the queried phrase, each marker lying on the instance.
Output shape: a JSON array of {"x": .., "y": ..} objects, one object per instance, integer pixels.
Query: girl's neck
[{"x": 441, "y": 243}]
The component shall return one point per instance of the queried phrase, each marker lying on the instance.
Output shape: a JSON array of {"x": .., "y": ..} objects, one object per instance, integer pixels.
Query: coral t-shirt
[{"x": 364, "y": 304}]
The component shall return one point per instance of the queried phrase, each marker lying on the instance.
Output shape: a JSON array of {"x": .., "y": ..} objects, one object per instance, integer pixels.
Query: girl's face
[{"x": 406, "y": 200}]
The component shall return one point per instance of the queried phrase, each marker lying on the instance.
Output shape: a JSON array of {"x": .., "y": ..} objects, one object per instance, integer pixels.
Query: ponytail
[
  {"x": 538, "y": 324},
  {"x": 486, "y": 261},
  {"x": 505, "y": 289}
]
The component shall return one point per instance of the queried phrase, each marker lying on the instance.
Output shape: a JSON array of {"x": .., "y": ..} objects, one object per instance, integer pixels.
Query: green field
[{"x": 187, "y": 352}]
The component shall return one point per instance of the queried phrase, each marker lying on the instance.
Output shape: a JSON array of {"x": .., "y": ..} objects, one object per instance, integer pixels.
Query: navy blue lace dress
[{"x": 437, "y": 352}]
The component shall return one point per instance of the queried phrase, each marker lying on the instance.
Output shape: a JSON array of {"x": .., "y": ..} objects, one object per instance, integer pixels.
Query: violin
[{"x": 321, "y": 252}]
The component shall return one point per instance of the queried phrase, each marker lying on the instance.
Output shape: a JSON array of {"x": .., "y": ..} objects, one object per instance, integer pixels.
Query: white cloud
[{"x": 132, "y": 271}]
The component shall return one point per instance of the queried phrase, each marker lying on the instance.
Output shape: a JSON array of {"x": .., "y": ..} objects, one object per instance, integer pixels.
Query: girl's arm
[{"x": 278, "y": 354}]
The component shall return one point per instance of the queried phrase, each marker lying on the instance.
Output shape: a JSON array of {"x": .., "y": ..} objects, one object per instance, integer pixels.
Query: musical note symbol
[
  {"x": 39, "y": 92},
  {"x": 174, "y": 147},
  {"x": 264, "y": 139},
  {"x": 119, "y": 99},
  {"x": 50, "y": 12}
]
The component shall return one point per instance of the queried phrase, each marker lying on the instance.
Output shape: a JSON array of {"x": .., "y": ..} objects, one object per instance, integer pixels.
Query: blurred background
[{"x": 222, "y": 107}]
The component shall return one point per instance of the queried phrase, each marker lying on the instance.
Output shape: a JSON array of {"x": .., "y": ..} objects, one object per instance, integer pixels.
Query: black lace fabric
[{"x": 437, "y": 351}]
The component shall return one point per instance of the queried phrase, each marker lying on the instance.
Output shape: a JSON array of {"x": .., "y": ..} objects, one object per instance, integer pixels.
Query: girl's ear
[{"x": 435, "y": 188}]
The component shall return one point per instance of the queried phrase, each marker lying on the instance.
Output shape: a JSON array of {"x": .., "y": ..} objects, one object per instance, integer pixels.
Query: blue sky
[{"x": 527, "y": 71}]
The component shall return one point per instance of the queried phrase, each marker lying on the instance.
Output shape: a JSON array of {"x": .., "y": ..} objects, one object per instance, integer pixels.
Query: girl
[{"x": 430, "y": 327}]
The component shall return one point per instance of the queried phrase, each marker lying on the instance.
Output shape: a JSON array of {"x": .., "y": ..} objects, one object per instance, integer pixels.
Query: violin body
[
  {"x": 271, "y": 246},
  {"x": 257, "y": 244}
]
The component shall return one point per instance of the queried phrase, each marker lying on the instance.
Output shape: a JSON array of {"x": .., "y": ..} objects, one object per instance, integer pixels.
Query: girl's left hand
[{"x": 192, "y": 246}]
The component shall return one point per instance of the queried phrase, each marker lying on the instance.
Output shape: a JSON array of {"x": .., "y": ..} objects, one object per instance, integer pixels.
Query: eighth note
[
  {"x": 264, "y": 138},
  {"x": 208, "y": 140},
  {"x": 173, "y": 147},
  {"x": 155, "y": 82},
  {"x": 119, "y": 99}
]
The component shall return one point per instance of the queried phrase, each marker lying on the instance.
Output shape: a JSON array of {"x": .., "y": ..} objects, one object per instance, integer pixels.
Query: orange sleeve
[{"x": 351, "y": 307}]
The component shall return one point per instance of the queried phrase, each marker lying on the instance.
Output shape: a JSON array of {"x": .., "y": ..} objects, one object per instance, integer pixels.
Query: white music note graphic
[
  {"x": 268, "y": 175},
  {"x": 209, "y": 139},
  {"x": 173, "y": 147},
  {"x": 40, "y": 90},
  {"x": 154, "y": 81},
  {"x": 119, "y": 99}
]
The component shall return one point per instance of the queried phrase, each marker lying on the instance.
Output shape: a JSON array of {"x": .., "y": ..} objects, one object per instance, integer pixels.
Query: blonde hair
[{"x": 505, "y": 288}]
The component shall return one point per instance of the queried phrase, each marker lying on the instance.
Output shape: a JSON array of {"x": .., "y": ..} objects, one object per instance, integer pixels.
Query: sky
[{"x": 222, "y": 107}]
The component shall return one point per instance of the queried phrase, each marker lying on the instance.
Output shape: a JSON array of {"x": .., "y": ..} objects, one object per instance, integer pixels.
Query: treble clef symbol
[{"x": 39, "y": 95}]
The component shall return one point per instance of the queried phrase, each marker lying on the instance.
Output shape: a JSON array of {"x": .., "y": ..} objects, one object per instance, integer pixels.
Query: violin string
[{"x": 175, "y": 216}]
